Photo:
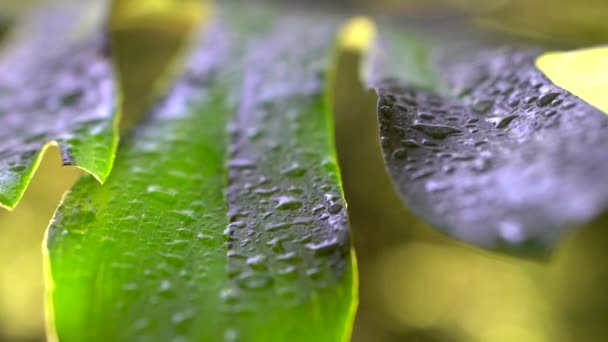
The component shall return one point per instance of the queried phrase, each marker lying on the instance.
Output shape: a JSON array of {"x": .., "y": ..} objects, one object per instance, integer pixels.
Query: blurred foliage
[
  {"x": 21, "y": 231},
  {"x": 146, "y": 41},
  {"x": 416, "y": 285},
  {"x": 580, "y": 72}
]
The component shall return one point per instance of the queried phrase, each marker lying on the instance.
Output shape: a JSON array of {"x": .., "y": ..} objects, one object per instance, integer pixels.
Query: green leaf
[
  {"x": 486, "y": 147},
  {"x": 204, "y": 234},
  {"x": 56, "y": 87}
]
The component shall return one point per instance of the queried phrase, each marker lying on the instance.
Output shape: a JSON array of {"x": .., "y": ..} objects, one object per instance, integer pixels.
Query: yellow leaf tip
[
  {"x": 357, "y": 34},
  {"x": 582, "y": 72},
  {"x": 127, "y": 13}
]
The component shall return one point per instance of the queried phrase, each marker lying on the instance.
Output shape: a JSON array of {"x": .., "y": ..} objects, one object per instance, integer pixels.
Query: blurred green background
[{"x": 415, "y": 284}]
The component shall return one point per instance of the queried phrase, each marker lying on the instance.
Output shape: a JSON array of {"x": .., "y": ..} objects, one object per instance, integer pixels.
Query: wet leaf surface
[
  {"x": 492, "y": 152},
  {"x": 208, "y": 234},
  {"x": 56, "y": 86}
]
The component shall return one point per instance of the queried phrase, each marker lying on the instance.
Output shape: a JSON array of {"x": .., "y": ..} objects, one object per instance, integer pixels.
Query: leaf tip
[
  {"x": 357, "y": 34},
  {"x": 582, "y": 72},
  {"x": 126, "y": 14},
  {"x": 6, "y": 204}
]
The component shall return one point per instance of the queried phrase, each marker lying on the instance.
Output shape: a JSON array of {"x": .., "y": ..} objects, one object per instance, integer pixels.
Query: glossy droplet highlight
[{"x": 288, "y": 203}]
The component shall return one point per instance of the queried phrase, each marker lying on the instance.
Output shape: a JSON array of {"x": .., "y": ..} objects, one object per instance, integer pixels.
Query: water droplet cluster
[
  {"x": 215, "y": 224},
  {"x": 66, "y": 94},
  {"x": 503, "y": 159},
  {"x": 288, "y": 230},
  {"x": 153, "y": 233}
]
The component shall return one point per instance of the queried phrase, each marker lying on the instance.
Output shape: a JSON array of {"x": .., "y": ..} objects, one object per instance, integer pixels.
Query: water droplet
[
  {"x": 254, "y": 133},
  {"x": 386, "y": 111},
  {"x": 545, "y": 99},
  {"x": 568, "y": 105},
  {"x": 329, "y": 197},
  {"x": 426, "y": 116},
  {"x": 550, "y": 113},
  {"x": 237, "y": 225},
  {"x": 411, "y": 143},
  {"x": 204, "y": 237},
  {"x": 324, "y": 247},
  {"x": 462, "y": 157},
  {"x": 266, "y": 191},
  {"x": 422, "y": 173},
  {"x": 501, "y": 121},
  {"x": 511, "y": 231},
  {"x": 186, "y": 216},
  {"x": 295, "y": 190},
  {"x": 295, "y": 170},
  {"x": 276, "y": 244},
  {"x": 305, "y": 238},
  {"x": 229, "y": 295},
  {"x": 530, "y": 99},
  {"x": 436, "y": 131},
  {"x": 264, "y": 181},
  {"x": 482, "y": 106},
  {"x": 314, "y": 273},
  {"x": 257, "y": 262},
  {"x": 165, "y": 287},
  {"x": 182, "y": 321},
  {"x": 436, "y": 187},
  {"x": 429, "y": 143},
  {"x": 234, "y": 254},
  {"x": 184, "y": 233},
  {"x": 289, "y": 256},
  {"x": 255, "y": 281},
  {"x": 231, "y": 335},
  {"x": 481, "y": 165},
  {"x": 400, "y": 153},
  {"x": 334, "y": 208},
  {"x": 288, "y": 203},
  {"x": 304, "y": 220},
  {"x": 288, "y": 272},
  {"x": 317, "y": 209},
  {"x": 178, "y": 244},
  {"x": 160, "y": 194},
  {"x": 241, "y": 163},
  {"x": 278, "y": 226}
]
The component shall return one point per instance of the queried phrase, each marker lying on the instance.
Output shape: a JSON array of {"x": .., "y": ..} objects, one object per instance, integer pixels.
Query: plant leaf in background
[
  {"x": 56, "y": 86},
  {"x": 160, "y": 253},
  {"x": 148, "y": 41},
  {"x": 582, "y": 72},
  {"x": 486, "y": 148}
]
